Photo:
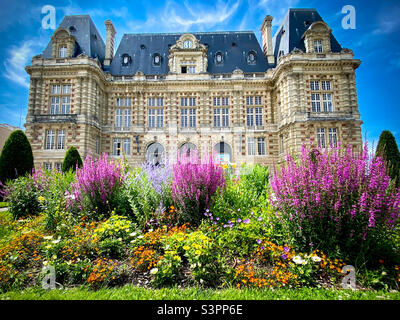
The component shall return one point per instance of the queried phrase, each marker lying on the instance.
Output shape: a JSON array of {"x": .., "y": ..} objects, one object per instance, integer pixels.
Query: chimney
[
  {"x": 109, "y": 54},
  {"x": 266, "y": 30}
]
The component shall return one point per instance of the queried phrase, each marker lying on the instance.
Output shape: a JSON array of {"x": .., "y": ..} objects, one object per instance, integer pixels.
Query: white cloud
[{"x": 19, "y": 57}]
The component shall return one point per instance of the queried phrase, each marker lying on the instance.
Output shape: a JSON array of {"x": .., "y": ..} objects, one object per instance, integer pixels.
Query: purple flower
[
  {"x": 259, "y": 218},
  {"x": 239, "y": 220},
  {"x": 286, "y": 249},
  {"x": 246, "y": 221},
  {"x": 259, "y": 241},
  {"x": 262, "y": 247},
  {"x": 284, "y": 256}
]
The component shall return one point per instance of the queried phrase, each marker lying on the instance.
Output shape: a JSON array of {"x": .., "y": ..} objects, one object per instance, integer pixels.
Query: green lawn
[{"x": 130, "y": 292}]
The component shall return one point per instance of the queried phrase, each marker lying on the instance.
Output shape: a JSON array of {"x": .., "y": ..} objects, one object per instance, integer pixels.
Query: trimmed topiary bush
[
  {"x": 16, "y": 158},
  {"x": 387, "y": 149},
  {"x": 71, "y": 160}
]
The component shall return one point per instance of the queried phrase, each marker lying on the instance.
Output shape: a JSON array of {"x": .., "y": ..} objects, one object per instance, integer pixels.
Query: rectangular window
[
  {"x": 152, "y": 102},
  {"x": 152, "y": 118},
  {"x": 192, "y": 118},
  {"x": 119, "y": 102},
  {"x": 127, "y": 117},
  {"x": 261, "y": 146},
  {"x": 217, "y": 119},
  {"x": 118, "y": 118},
  {"x": 249, "y": 101},
  {"x": 192, "y": 69},
  {"x": 160, "y": 102},
  {"x": 160, "y": 118},
  {"x": 321, "y": 138},
  {"x": 61, "y": 139},
  {"x": 251, "y": 149},
  {"x": 257, "y": 101},
  {"x": 47, "y": 166},
  {"x": 332, "y": 137},
  {"x": 216, "y": 101},
  {"x": 65, "y": 105},
  {"x": 250, "y": 117},
  {"x": 315, "y": 102},
  {"x": 66, "y": 89},
  {"x": 56, "y": 89},
  {"x": 128, "y": 102},
  {"x": 184, "y": 119},
  {"x": 225, "y": 117},
  {"x": 327, "y": 102},
  {"x": 117, "y": 147},
  {"x": 314, "y": 85},
  {"x": 63, "y": 52},
  {"x": 318, "y": 46},
  {"x": 258, "y": 116},
  {"x": 326, "y": 85},
  {"x": 225, "y": 101},
  {"x": 127, "y": 146},
  {"x": 282, "y": 144},
  {"x": 55, "y": 105},
  {"x": 50, "y": 139}
]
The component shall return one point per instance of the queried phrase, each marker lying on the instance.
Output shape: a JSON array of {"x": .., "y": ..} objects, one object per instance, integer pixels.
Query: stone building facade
[{"x": 213, "y": 91}]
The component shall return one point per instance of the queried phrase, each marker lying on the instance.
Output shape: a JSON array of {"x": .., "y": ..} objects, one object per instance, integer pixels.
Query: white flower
[
  {"x": 140, "y": 237},
  {"x": 297, "y": 260},
  {"x": 154, "y": 271},
  {"x": 132, "y": 234},
  {"x": 48, "y": 237},
  {"x": 304, "y": 262},
  {"x": 56, "y": 241},
  {"x": 316, "y": 258}
]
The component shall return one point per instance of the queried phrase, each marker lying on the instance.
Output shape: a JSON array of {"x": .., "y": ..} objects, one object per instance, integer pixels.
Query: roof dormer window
[
  {"x": 62, "y": 52},
  {"x": 126, "y": 59},
  {"x": 219, "y": 58},
  {"x": 318, "y": 46},
  {"x": 156, "y": 59},
  {"x": 251, "y": 57}
]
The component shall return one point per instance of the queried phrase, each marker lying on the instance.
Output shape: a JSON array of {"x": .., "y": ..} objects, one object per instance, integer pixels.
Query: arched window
[
  {"x": 155, "y": 153},
  {"x": 126, "y": 59},
  {"x": 219, "y": 58},
  {"x": 224, "y": 152},
  {"x": 157, "y": 59},
  {"x": 187, "y": 147},
  {"x": 251, "y": 57},
  {"x": 62, "y": 52}
]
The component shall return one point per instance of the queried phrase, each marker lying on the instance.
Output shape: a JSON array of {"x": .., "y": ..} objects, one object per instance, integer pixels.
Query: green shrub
[
  {"x": 388, "y": 150},
  {"x": 24, "y": 198},
  {"x": 71, "y": 160},
  {"x": 16, "y": 158}
]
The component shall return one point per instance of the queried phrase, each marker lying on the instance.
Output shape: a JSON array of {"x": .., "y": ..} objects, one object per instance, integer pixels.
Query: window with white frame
[
  {"x": 116, "y": 147},
  {"x": 321, "y": 98},
  {"x": 250, "y": 117},
  {"x": 155, "y": 117},
  {"x": 192, "y": 117},
  {"x": 118, "y": 118},
  {"x": 127, "y": 117},
  {"x": 220, "y": 101},
  {"x": 192, "y": 69},
  {"x": 332, "y": 137},
  {"x": 127, "y": 146},
  {"x": 124, "y": 102},
  {"x": 61, "y": 139},
  {"x": 58, "y": 166},
  {"x": 321, "y": 138},
  {"x": 188, "y": 101},
  {"x": 258, "y": 114},
  {"x": 221, "y": 117},
  {"x": 251, "y": 148},
  {"x": 318, "y": 46},
  {"x": 50, "y": 140},
  {"x": 188, "y": 117},
  {"x": 261, "y": 146},
  {"x": 62, "y": 53},
  {"x": 60, "y": 99},
  {"x": 47, "y": 166}
]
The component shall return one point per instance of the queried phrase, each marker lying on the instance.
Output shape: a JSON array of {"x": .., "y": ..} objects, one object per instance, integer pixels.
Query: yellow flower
[{"x": 197, "y": 252}]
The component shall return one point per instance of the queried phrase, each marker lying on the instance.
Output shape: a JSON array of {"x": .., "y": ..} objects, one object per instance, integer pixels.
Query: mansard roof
[
  {"x": 88, "y": 39},
  {"x": 234, "y": 46},
  {"x": 290, "y": 33}
]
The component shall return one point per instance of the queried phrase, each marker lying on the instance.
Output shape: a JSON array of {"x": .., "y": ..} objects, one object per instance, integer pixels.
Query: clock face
[{"x": 187, "y": 44}]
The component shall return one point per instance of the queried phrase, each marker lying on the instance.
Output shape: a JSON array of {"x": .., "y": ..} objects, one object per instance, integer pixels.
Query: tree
[
  {"x": 388, "y": 150},
  {"x": 72, "y": 158},
  {"x": 16, "y": 158}
]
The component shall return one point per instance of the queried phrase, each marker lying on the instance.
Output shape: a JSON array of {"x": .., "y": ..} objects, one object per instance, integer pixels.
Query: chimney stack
[
  {"x": 266, "y": 30},
  {"x": 109, "y": 54}
]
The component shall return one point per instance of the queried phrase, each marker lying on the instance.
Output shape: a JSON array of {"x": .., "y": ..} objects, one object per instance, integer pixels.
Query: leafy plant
[
  {"x": 72, "y": 160},
  {"x": 387, "y": 149}
]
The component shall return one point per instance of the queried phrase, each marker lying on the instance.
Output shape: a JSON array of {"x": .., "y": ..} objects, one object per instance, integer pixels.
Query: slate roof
[
  {"x": 88, "y": 39},
  {"x": 290, "y": 32},
  {"x": 234, "y": 46}
]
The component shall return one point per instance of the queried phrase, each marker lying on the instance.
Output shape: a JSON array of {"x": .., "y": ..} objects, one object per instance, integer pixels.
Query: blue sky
[{"x": 375, "y": 41}]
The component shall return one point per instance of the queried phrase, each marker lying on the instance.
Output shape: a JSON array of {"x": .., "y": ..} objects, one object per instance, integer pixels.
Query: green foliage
[
  {"x": 71, "y": 160},
  {"x": 16, "y": 158},
  {"x": 24, "y": 198},
  {"x": 388, "y": 150},
  {"x": 142, "y": 197}
]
